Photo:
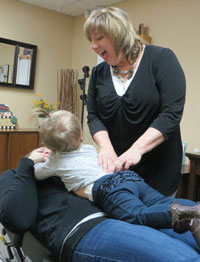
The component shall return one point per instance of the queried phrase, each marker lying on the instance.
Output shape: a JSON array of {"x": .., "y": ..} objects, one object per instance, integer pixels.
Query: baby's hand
[
  {"x": 40, "y": 154},
  {"x": 46, "y": 153}
]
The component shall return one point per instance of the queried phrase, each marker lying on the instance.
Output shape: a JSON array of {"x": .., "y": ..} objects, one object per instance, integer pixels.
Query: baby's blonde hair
[{"x": 61, "y": 131}]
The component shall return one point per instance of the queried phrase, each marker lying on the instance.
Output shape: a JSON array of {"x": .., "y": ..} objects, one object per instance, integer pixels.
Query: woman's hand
[
  {"x": 148, "y": 141},
  {"x": 106, "y": 158},
  {"x": 39, "y": 155},
  {"x": 127, "y": 159}
]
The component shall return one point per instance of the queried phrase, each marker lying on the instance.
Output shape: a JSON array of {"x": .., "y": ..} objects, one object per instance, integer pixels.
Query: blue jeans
[
  {"x": 118, "y": 241},
  {"x": 125, "y": 196}
]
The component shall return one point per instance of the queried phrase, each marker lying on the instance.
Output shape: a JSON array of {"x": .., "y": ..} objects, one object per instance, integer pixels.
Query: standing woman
[{"x": 135, "y": 102}]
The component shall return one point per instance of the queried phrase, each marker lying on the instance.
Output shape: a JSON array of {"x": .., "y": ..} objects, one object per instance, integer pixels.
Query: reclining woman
[{"x": 74, "y": 229}]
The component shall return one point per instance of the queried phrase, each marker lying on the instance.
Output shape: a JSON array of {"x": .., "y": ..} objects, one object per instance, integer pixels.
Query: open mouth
[{"x": 102, "y": 53}]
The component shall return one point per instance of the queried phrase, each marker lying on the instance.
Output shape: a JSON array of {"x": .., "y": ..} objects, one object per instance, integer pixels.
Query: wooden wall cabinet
[{"x": 15, "y": 145}]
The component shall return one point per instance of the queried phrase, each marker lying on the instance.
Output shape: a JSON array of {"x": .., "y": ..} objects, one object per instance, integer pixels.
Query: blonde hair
[
  {"x": 61, "y": 131},
  {"x": 117, "y": 26}
]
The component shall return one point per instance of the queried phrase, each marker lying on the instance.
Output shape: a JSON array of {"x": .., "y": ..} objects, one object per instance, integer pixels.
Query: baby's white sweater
[{"x": 77, "y": 169}]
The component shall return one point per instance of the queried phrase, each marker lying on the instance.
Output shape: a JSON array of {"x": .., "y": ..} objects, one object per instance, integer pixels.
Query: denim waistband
[{"x": 110, "y": 181}]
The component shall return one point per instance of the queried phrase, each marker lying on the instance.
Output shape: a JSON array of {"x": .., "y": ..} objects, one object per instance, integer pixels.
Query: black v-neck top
[{"x": 155, "y": 98}]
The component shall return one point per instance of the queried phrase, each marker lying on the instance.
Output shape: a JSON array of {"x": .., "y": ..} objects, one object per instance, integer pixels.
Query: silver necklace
[
  {"x": 136, "y": 50},
  {"x": 116, "y": 71}
]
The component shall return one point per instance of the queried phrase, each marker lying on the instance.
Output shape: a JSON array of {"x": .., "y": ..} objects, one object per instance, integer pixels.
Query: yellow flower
[{"x": 41, "y": 103}]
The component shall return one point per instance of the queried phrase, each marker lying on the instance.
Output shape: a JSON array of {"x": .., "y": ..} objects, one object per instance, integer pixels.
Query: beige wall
[
  {"x": 173, "y": 24},
  {"x": 61, "y": 43},
  {"x": 52, "y": 33}
]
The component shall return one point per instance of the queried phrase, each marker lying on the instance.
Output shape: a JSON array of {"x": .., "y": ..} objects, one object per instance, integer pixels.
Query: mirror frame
[{"x": 17, "y": 45}]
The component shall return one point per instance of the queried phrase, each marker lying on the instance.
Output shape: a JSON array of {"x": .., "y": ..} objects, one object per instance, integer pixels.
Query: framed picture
[
  {"x": 16, "y": 72},
  {"x": 4, "y": 71}
]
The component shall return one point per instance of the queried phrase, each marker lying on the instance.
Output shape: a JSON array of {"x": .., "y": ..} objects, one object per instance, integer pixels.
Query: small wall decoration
[
  {"x": 4, "y": 70},
  {"x": 143, "y": 33}
]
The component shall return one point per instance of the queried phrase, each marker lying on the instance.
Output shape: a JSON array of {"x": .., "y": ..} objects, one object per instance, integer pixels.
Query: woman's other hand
[
  {"x": 127, "y": 159},
  {"x": 148, "y": 141},
  {"x": 39, "y": 155}
]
